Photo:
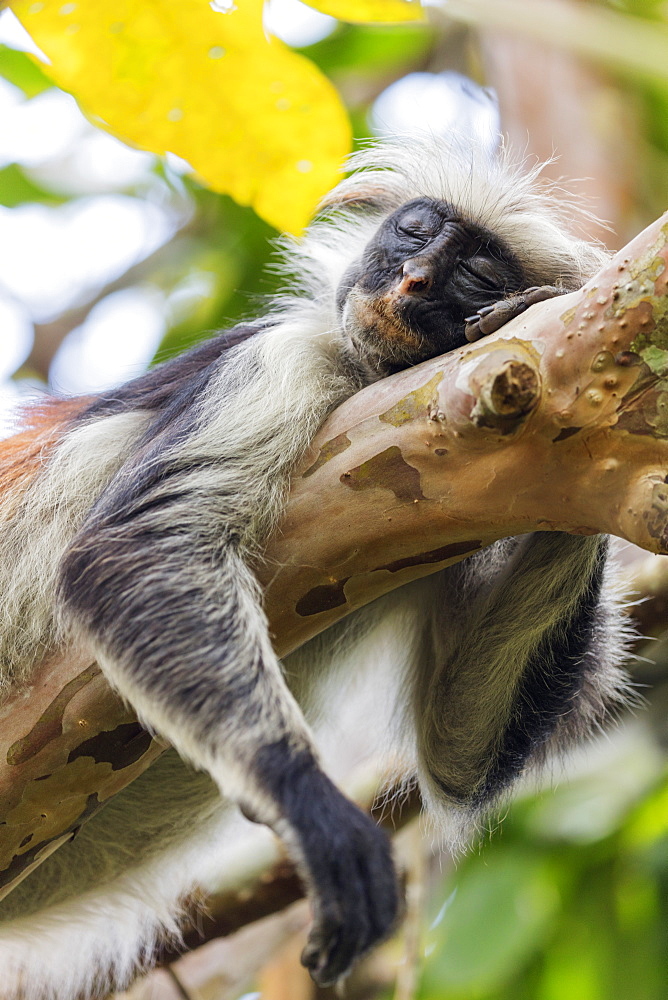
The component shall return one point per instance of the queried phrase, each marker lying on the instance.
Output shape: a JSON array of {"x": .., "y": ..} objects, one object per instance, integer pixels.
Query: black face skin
[{"x": 421, "y": 275}]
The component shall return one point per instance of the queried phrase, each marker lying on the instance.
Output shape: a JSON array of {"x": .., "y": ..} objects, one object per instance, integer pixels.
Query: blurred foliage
[
  {"x": 381, "y": 50},
  {"x": 559, "y": 910},
  {"x": 652, "y": 92},
  {"x": 16, "y": 188},
  {"x": 253, "y": 118},
  {"x": 227, "y": 259},
  {"x": 18, "y": 68}
]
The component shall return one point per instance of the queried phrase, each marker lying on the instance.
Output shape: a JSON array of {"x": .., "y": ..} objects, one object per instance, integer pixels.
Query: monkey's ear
[{"x": 358, "y": 195}]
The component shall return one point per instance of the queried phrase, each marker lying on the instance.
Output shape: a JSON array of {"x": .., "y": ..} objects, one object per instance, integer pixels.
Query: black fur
[
  {"x": 347, "y": 861},
  {"x": 550, "y": 684}
]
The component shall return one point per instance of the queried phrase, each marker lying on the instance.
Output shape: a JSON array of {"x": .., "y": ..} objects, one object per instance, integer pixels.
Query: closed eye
[
  {"x": 411, "y": 226},
  {"x": 418, "y": 226},
  {"x": 413, "y": 234},
  {"x": 483, "y": 271}
]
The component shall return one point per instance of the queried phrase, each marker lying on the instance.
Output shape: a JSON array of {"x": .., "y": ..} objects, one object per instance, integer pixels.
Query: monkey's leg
[
  {"x": 492, "y": 318},
  {"x": 178, "y": 629},
  {"x": 533, "y": 655}
]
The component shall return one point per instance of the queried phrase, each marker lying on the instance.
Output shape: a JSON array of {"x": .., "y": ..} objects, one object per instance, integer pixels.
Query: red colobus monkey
[{"x": 135, "y": 532}]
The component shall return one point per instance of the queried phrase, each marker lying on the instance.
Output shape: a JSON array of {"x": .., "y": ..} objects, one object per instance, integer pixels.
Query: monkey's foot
[{"x": 492, "y": 318}]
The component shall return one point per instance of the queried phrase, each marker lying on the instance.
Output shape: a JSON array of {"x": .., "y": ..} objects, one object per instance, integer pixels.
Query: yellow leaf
[
  {"x": 385, "y": 11},
  {"x": 254, "y": 119}
]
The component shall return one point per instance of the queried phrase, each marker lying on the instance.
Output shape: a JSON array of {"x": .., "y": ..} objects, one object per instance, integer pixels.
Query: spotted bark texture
[
  {"x": 330, "y": 449},
  {"x": 69, "y": 744},
  {"x": 387, "y": 471}
]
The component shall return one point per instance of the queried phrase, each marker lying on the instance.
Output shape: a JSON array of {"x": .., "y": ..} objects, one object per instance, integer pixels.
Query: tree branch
[{"x": 557, "y": 422}]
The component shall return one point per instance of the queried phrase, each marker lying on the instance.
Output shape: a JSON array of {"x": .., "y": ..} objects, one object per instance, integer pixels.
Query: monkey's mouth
[
  {"x": 377, "y": 323},
  {"x": 394, "y": 331}
]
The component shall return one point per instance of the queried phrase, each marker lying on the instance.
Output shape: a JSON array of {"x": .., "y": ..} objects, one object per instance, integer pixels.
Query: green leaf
[
  {"x": 379, "y": 49},
  {"x": 17, "y": 189},
  {"x": 23, "y": 72},
  {"x": 649, "y": 822},
  {"x": 502, "y": 912},
  {"x": 650, "y": 9}
]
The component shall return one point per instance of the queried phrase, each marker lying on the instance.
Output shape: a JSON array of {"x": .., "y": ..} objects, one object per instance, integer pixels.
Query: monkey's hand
[
  {"x": 492, "y": 318},
  {"x": 347, "y": 864}
]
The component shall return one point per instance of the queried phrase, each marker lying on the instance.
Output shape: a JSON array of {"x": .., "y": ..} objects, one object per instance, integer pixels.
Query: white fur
[{"x": 35, "y": 534}]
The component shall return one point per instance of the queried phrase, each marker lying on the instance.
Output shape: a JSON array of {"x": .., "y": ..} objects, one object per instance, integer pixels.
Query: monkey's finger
[
  {"x": 345, "y": 951},
  {"x": 343, "y": 932},
  {"x": 322, "y": 941},
  {"x": 539, "y": 293},
  {"x": 491, "y": 318},
  {"x": 500, "y": 314},
  {"x": 472, "y": 329}
]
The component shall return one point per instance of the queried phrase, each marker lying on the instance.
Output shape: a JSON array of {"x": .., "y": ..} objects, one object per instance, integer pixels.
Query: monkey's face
[{"x": 425, "y": 270}]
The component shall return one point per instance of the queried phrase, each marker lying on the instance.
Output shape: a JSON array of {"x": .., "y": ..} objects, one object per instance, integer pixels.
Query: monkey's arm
[{"x": 173, "y": 615}]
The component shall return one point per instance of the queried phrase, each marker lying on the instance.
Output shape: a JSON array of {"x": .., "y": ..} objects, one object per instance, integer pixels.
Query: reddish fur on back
[{"x": 44, "y": 424}]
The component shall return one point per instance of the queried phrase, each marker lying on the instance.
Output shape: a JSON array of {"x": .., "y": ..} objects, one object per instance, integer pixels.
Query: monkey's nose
[{"x": 414, "y": 277}]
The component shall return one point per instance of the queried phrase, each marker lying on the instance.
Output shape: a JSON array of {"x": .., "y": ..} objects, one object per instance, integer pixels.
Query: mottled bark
[{"x": 557, "y": 422}]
